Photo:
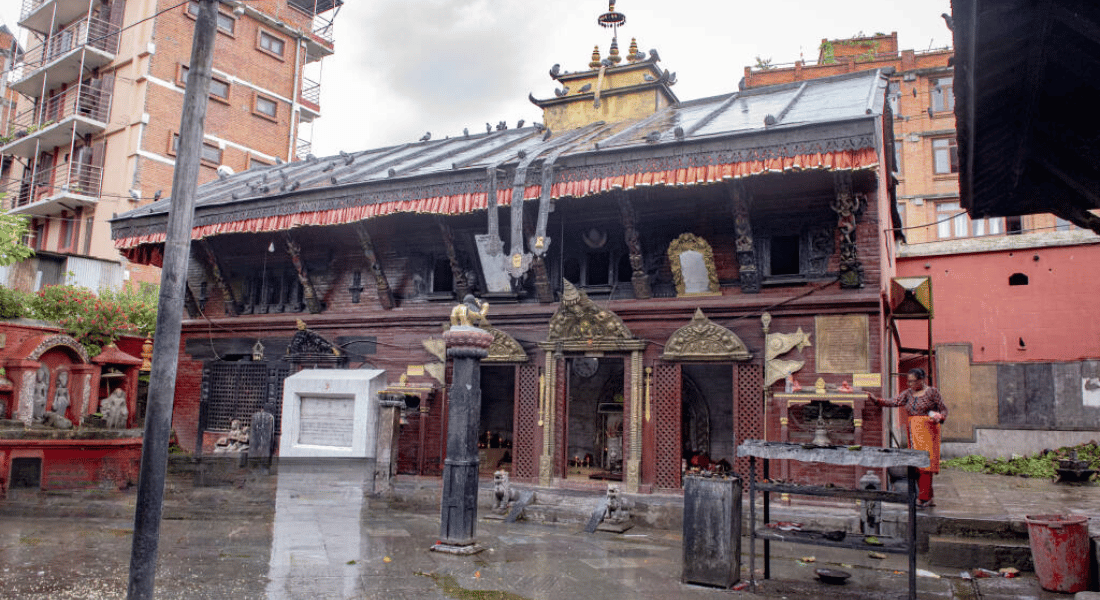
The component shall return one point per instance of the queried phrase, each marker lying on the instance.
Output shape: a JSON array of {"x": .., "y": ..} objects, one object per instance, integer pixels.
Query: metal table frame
[{"x": 912, "y": 459}]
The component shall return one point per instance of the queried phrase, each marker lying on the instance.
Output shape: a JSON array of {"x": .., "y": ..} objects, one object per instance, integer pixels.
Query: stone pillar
[
  {"x": 466, "y": 345},
  {"x": 389, "y": 430}
]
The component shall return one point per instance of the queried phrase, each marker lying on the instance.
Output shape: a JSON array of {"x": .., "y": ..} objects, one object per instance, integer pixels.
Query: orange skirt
[{"x": 924, "y": 434}]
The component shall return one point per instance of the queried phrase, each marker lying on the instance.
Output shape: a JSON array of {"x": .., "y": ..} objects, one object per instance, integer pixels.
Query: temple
[{"x": 662, "y": 276}]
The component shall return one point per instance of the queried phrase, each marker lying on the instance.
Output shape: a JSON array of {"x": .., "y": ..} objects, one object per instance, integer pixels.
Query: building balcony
[
  {"x": 75, "y": 112},
  {"x": 41, "y": 15},
  {"x": 65, "y": 56},
  {"x": 320, "y": 42},
  {"x": 49, "y": 191},
  {"x": 310, "y": 100}
]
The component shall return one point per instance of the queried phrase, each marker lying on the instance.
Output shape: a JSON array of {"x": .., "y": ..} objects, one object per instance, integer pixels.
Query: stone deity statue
[
  {"x": 235, "y": 441},
  {"x": 503, "y": 493},
  {"x": 114, "y": 409},
  {"x": 41, "y": 393},
  {"x": 61, "y": 394}
]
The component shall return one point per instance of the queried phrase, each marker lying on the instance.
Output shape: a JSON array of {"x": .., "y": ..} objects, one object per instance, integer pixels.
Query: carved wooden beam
[
  {"x": 848, "y": 207},
  {"x": 209, "y": 261},
  {"x": 309, "y": 293},
  {"x": 638, "y": 277},
  {"x": 746, "y": 250},
  {"x": 543, "y": 289},
  {"x": 385, "y": 294},
  {"x": 461, "y": 285},
  {"x": 189, "y": 302}
]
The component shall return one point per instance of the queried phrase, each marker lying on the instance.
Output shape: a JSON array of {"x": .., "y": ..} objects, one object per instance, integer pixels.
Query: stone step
[{"x": 967, "y": 553}]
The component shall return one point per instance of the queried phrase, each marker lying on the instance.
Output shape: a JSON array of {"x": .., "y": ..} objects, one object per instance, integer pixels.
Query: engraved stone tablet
[
  {"x": 327, "y": 422},
  {"x": 842, "y": 344}
]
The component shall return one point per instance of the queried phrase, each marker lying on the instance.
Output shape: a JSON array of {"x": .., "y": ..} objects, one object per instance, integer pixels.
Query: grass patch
[
  {"x": 450, "y": 587},
  {"x": 1041, "y": 465}
]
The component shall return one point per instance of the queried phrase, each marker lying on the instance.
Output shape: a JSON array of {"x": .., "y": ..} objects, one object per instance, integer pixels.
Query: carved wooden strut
[
  {"x": 309, "y": 293},
  {"x": 385, "y": 294}
]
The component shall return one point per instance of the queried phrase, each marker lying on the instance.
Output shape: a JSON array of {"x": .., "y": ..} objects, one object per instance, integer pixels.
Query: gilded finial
[
  {"x": 632, "y": 55},
  {"x": 614, "y": 55},
  {"x": 595, "y": 64}
]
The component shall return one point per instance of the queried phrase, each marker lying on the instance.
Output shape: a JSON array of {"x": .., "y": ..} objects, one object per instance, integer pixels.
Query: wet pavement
[{"x": 312, "y": 532}]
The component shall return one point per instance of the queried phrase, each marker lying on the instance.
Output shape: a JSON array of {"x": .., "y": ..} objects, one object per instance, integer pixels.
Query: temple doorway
[
  {"x": 594, "y": 447},
  {"x": 707, "y": 418},
  {"x": 495, "y": 440}
]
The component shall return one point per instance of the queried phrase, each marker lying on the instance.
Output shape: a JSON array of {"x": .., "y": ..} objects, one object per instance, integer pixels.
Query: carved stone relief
[{"x": 777, "y": 345}]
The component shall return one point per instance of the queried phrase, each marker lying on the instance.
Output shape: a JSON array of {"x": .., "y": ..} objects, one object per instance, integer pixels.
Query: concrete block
[{"x": 969, "y": 553}]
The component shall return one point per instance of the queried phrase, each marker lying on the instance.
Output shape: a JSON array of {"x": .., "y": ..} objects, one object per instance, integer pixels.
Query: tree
[{"x": 13, "y": 228}]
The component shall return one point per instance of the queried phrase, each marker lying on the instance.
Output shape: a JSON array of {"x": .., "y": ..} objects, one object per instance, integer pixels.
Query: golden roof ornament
[
  {"x": 595, "y": 64},
  {"x": 614, "y": 55},
  {"x": 633, "y": 55},
  {"x": 611, "y": 19}
]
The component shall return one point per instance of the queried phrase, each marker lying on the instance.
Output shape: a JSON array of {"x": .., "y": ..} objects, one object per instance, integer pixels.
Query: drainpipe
[{"x": 294, "y": 106}]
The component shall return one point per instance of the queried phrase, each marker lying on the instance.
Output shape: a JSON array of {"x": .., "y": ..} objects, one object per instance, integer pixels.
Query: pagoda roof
[{"x": 824, "y": 124}]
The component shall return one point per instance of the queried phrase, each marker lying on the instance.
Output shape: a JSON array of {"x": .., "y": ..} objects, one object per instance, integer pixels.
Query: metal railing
[
  {"x": 311, "y": 91},
  {"x": 90, "y": 32},
  {"x": 29, "y": 6},
  {"x": 80, "y": 101},
  {"x": 303, "y": 148},
  {"x": 76, "y": 179}
]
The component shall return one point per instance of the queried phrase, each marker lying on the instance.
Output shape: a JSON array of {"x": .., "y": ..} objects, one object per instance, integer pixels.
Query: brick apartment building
[
  {"x": 100, "y": 89},
  {"x": 1015, "y": 342}
]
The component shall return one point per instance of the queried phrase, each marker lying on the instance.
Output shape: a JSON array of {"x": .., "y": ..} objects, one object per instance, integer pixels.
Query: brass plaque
[
  {"x": 842, "y": 344},
  {"x": 867, "y": 380},
  {"x": 415, "y": 370}
]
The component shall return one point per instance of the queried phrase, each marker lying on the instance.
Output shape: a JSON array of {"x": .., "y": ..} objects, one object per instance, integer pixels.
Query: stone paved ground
[{"x": 312, "y": 533}]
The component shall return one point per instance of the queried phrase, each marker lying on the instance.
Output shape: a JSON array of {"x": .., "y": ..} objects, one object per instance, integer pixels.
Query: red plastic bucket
[{"x": 1060, "y": 549}]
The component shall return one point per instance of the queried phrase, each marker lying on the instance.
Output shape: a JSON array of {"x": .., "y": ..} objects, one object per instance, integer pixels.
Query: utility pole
[{"x": 162, "y": 383}]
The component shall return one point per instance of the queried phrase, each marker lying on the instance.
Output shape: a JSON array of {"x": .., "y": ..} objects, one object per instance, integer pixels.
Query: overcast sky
[{"x": 405, "y": 67}]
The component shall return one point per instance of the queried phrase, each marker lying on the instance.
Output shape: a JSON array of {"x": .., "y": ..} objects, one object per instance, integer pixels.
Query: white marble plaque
[
  {"x": 696, "y": 275},
  {"x": 331, "y": 413},
  {"x": 327, "y": 422}
]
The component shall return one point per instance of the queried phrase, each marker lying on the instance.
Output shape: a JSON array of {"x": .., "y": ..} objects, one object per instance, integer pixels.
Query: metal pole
[{"x": 158, "y": 418}]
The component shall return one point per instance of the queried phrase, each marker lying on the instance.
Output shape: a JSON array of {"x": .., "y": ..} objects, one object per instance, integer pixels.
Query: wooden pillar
[
  {"x": 638, "y": 277},
  {"x": 309, "y": 293},
  {"x": 385, "y": 294},
  {"x": 848, "y": 207},
  {"x": 632, "y": 477},
  {"x": 746, "y": 251},
  {"x": 538, "y": 265},
  {"x": 546, "y": 419}
]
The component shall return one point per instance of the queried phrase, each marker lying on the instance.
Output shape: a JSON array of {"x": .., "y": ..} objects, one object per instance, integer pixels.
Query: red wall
[{"x": 1054, "y": 314}]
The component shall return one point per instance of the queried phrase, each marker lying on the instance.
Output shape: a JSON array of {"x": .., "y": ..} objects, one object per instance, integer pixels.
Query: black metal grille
[{"x": 238, "y": 389}]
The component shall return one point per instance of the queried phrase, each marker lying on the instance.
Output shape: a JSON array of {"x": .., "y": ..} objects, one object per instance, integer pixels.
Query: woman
[{"x": 926, "y": 412}]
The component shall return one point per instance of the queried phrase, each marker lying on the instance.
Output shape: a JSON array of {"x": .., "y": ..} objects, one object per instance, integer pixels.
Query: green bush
[{"x": 15, "y": 304}]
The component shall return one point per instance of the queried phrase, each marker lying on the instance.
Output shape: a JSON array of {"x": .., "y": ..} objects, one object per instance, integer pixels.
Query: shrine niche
[
  {"x": 703, "y": 339},
  {"x": 692, "y": 263},
  {"x": 581, "y": 325}
]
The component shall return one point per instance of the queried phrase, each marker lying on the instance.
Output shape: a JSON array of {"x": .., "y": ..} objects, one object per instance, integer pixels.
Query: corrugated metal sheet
[{"x": 93, "y": 274}]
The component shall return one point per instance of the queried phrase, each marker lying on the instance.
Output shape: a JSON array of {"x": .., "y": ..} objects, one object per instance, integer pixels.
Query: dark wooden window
[
  {"x": 226, "y": 22},
  {"x": 272, "y": 44},
  {"x": 943, "y": 94},
  {"x": 945, "y": 156}
]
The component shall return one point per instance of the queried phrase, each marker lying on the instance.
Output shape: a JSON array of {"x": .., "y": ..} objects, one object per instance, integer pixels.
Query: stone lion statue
[
  {"x": 503, "y": 493},
  {"x": 470, "y": 313},
  {"x": 618, "y": 507}
]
